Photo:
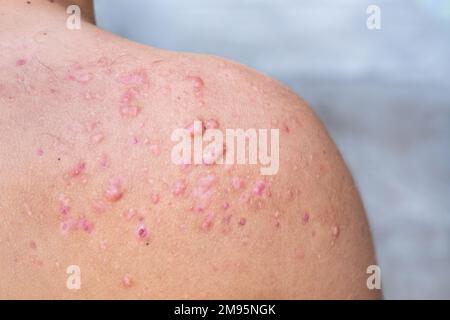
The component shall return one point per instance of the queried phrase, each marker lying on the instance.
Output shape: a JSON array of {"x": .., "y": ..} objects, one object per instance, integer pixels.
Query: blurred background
[{"x": 383, "y": 94}]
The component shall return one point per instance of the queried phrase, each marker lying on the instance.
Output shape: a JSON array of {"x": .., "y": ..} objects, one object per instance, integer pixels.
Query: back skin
[{"x": 87, "y": 178}]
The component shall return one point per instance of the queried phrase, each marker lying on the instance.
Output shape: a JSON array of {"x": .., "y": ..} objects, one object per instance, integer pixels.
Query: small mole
[{"x": 28, "y": 2}]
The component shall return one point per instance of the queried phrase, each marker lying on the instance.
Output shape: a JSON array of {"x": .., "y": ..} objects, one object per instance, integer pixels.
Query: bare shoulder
[{"x": 90, "y": 181}]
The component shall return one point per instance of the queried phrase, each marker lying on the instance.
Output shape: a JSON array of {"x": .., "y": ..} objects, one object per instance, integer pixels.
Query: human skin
[{"x": 87, "y": 179}]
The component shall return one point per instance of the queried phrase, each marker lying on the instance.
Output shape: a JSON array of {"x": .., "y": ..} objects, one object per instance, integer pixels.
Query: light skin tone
[{"x": 87, "y": 179}]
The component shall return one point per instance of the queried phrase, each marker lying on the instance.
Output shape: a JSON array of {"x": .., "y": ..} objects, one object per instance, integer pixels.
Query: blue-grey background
[{"x": 383, "y": 94}]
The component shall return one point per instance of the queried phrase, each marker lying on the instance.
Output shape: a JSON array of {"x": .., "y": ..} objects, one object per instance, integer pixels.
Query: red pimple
[
  {"x": 242, "y": 221},
  {"x": 40, "y": 152},
  {"x": 258, "y": 188},
  {"x": 21, "y": 62},
  {"x": 114, "y": 192},
  {"x": 78, "y": 169},
  {"x": 64, "y": 210},
  {"x": 142, "y": 232}
]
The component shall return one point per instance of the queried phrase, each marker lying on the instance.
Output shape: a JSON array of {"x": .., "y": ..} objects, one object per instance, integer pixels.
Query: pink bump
[
  {"x": 127, "y": 282},
  {"x": 212, "y": 124},
  {"x": 197, "y": 82},
  {"x": 142, "y": 232},
  {"x": 258, "y": 188},
  {"x": 78, "y": 169},
  {"x": 21, "y": 62},
  {"x": 335, "y": 231},
  {"x": 242, "y": 221},
  {"x": 97, "y": 138},
  {"x": 114, "y": 192},
  {"x": 40, "y": 152},
  {"x": 305, "y": 218}
]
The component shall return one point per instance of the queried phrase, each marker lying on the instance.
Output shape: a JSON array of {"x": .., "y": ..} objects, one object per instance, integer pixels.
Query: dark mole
[
  {"x": 146, "y": 243},
  {"x": 28, "y": 2},
  {"x": 59, "y": 159}
]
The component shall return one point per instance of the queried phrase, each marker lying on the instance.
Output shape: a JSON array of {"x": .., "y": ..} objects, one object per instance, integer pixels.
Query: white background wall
[{"x": 384, "y": 95}]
